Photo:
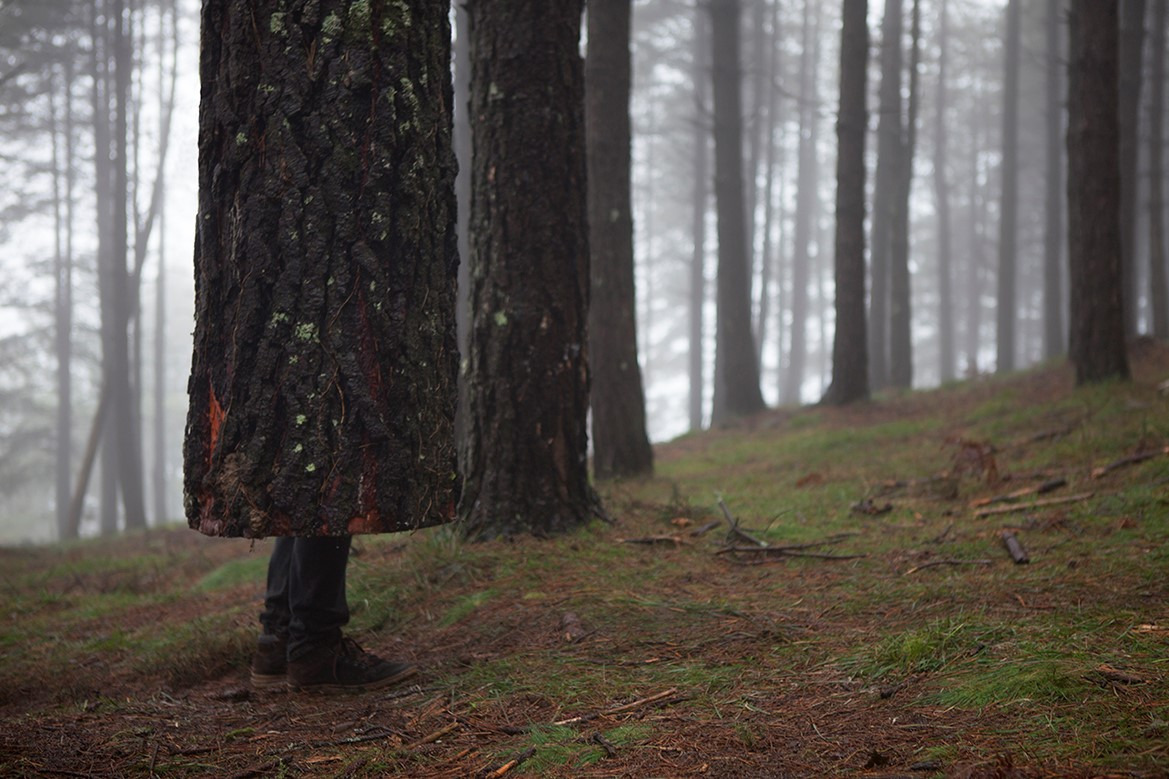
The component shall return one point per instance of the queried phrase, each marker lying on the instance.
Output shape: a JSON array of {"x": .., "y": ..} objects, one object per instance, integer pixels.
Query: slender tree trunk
[
  {"x": 462, "y": 141},
  {"x": 1053, "y": 326},
  {"x": 323, "y": 384},
  {"x": 736, "y": 386},
  {"x": 769, "y": 174},
  {"x": 103, "y": 198},
  {"x": 1132, "y": 33},
  {"x": 526, "y": 467},
  {"x": 807, "y": 180},
  {"x": 125, "y": 394},
  {"x": 62, "y": 162},
  {"x": 1096, "y": 345},
  {"x": 946, "y": 315},
  {"x": 900, "y": 313},
  {"x": 889, "y": 148},
  {"x": 1158, "y": 291},
  {"x": 701, "y": 76},
  {"x": 1005, "y": 340},
  {"x": 620, "y": 444},
  {"x": 850, "y": 369},
  {"x": 973, "y": 291}
]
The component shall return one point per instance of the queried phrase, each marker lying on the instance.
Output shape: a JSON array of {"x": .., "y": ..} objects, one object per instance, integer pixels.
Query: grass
[{"x": 910, "y": 653}]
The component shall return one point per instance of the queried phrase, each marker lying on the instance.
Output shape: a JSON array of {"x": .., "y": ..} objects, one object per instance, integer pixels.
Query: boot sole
[
  {"x": 269, "y": 682},
  {"x": 337, "y": 689}
]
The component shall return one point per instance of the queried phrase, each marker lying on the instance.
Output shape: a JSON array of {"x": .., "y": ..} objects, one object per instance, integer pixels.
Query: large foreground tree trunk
[
  {"x": 323, "y": 382},
  {"x": 850, "y": 369},
  {"x": 1158, "y": 292},
  {"x": 620, "y": 444},
  {"x": 1096, "y": 344},
  {"x": 525, "y": 465}
]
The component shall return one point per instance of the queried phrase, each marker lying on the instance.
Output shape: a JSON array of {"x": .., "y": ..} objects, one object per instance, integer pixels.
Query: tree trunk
[
  {"x": 1158, "y": 291},
  {"x": 1009, "y": 203},
  {"x": 772, "y": 126},
  {"x": 620, "y": 445},
  {"x": 850, "y": 369},
  {"x": 946, "y": 360},
  {"x": 736, "y": 385},
  {"x": 1053, "y": 327},
  {"x": 103, "y": 197},
  {"x": 526, "y": 466},
  {"x": 125, "y": 391},
  {"x": 1096, "y": 344},
  {"x": 807, "y": 179},
  {"x": 1132, "y": 32},
  {"x": 323, "y": 381},
  {"x": 889, "y": 149},
  {"x": 62, "y": 162},
  {"x": 701, "y": 76},
  {"x": 900, "y": 314},
  {"x": 462, "y": 141}
]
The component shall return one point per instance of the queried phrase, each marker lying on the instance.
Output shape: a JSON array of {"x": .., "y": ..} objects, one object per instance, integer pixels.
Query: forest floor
[{"x": 912, "y": 645}]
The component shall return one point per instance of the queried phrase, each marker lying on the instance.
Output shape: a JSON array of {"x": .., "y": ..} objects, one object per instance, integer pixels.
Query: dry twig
[
  {"x": 1035, "y": 504},
  {"x": 947, "y": 561}
]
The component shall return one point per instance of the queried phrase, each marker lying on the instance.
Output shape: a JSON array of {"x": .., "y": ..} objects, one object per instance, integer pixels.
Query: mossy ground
[{"x": 926, "y": 651}]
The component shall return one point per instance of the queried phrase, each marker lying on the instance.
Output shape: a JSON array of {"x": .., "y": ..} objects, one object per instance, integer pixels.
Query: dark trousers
[{"x": 306, "y": 592}]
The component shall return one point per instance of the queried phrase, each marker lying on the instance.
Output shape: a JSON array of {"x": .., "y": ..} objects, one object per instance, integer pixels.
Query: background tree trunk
[
  {"x": 1158, "y": 291},
  {"x": 323, "y": 381},
  {"x": 1132, "y": 33},
  {"x": 1096, "y": 345},
  {"x": 701, "y": 153},
  {"x": 900, "y": 313},
  {"x": 806, "y": 182},
  {"x": 736, "y": 383},
  {"x": 946, "y": 313},
  {"x": 850, "y": 369},
  {"x": 620, "y": 444},
  {"x": 1053, "y": 326},
  {"x": 889, "y": 149},
  {"x": 526, "y": 468},
  {"x": 462, "y": 141},
  {"x": 1009, "y": 203}
]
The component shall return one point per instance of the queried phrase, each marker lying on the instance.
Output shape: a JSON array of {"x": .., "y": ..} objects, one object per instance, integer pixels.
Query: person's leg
[
  {"x": 270, "y": 661},
  {"x": 319, "y": 658},
  {"x": 316, "y": 593},
  {"x": 276, "y": 615}
]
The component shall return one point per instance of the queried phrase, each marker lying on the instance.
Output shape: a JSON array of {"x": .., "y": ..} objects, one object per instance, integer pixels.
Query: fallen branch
[
  {"x": 947, "y": 561},
  {"x": 1039, "y": 489},
  {"x": 871, "y": 509},
  {"x": 435, "y": 736},
  {"x": 1035, "y": 504},
  {"x": 619, "y": 709},
  {"x": 1127, "y": 461},
  {"x": 510, "y": 764},
  {"x": 1014, "y": 547},
  {"x": 705, "y": 528},
  {"x": 653, "y": 540},
  {"x": 734, "y": 523},
  {"x": 786, "y": 551},
  {"x": 605, "y": 744}
]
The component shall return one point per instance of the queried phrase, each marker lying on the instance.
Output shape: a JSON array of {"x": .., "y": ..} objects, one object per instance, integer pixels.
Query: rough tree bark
[
  {"x": 736, "y": 373},
  {"x": 525, "y": 465},
  {"x": 850, "y": 369},
  {"x": 620, "y": 444},
  {"x": 1096, "y": 344},
  {"x": 323, "y": 382},
  {"x": 1009, "y": 203}
]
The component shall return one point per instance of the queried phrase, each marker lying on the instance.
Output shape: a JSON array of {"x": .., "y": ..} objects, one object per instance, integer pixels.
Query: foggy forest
[{"x": 965, "y": 198}]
